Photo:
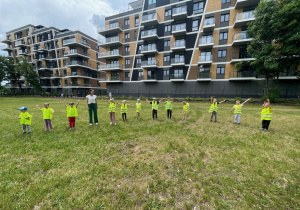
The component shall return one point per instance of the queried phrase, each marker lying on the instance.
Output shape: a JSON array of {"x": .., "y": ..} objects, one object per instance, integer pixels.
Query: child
[
  {"x": 112, "y": 111},
  {"x": 25, "y": 119},
  {"x": 169, "y": 107},
  {"x": 238, "y": 111},
  {"x": 71, "y": 113},
  {"x": 186, "y": 110},
  {"x": 124, "y": 110},
  {"x": 47, "y": 115},
  {"x": 138, "y": 108},
  {"x": 214, "y": 108},
  {"x": 154, "y": 107},
  {"x": 266, "y": 115}
]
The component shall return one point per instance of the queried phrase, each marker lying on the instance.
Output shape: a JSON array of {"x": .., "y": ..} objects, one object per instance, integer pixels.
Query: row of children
[{"x": 25, "y": 117}]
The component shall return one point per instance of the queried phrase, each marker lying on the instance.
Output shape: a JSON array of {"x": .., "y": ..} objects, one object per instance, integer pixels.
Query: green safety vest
[
  {"x": 266, "y": 114},
  {"x": 138, "y": 107},
  {"x": 154, "y": 105},
  {"x": 186, "y": 107},
  {"x": 169, "y": 105},
  {"x": 112, "y": 107},
  {"x": 24, "y": 121},
  {"x": 124, "y": 108},
  {"x": 237, "y": 109},
  {"x": 47, "y": 113},
  {"x": 72, "y": 112},
  {"x": 214, "y": 107}
]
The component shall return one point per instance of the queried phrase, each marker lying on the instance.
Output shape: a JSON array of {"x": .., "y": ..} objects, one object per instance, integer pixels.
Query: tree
[
  {"x": 2, "y": 69},
  {"x": 276, "y": 44}
]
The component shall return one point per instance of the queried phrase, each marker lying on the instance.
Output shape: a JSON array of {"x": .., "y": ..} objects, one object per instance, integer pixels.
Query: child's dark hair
[{"x": 90, "y": 90}]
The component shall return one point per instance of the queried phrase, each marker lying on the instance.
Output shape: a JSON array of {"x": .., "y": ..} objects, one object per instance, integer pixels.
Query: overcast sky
[{"x": 83, "y": 15}]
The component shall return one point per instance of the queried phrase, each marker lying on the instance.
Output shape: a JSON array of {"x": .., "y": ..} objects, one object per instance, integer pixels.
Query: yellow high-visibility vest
[
  {"x": 186, "y": 108},
  {"x": 47, "y": 113},
  {"x": 237, "y": 109},
  {"x": 266, "y": 114},
  {"x": 124, "y": 108},
  {"x": 169, "y": 105},
  {"x": 72, "y": 111},
  {"x": 154, "y": 105},
  {"x": 23, "y": 120},
  {"x": 112, "y": 107},
  {"x": 214, "y": 107},
  {"x": 138, "y": 107}
]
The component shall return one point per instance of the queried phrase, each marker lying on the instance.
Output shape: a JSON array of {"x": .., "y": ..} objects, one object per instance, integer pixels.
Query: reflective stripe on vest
[
  {"x": 154, "y": 105},
  {"x": 237, "y": 109},
  {"x": 112, "y": 107},
  {"x": 72, "y": 112},
  {"x": 266, "y": 114},
  {"x": 124, "y": 108},
  {"x": 186, "y": 107},
  {"x": 138, "y": 107},
  {"x": 169, "y": 105},
  {"x": 214, "y": 107}
]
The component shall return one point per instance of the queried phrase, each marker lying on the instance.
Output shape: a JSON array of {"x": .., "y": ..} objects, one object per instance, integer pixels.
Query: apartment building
[
  {"x": 66, "y": 61},
  {"x": 182, "y": 48}
]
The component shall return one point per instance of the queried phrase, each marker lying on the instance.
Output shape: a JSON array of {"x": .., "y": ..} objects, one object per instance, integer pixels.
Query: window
[
  {"x": 138, "y": 61},
  {"x": 198, "y": 7},
  {"x": 168, "y": 28},
  {"x": 127, "y": 36},
  {"x": 168, "y": 12},
  {"x": 225, "y": 1},
  {"x": 49, "y": 36},
  {"x": 221, "y": 70},
  {"x": 137, "y": 21},
  {"x": 223, "y": 36},
  {"x": 166, "y": 73},
  {"x": 150, "y": 2},
  {"x": 127, "y": 22},
  {"x": 140, "y": 74},
  {"x": 141, "y": 47},
  {"x": 224, "y": 18},
  {"x": 127, "y": 62},
  {"x": 178, "y": 72},
  {"x": 167, "y": 43},
  {"x": 222, "y": 53},
  {"x": 127, "y": 75},
  {"x": 127, "y": 49},
  {"x": 195, "y": 25},
  {"x": 166, "y": 58}
]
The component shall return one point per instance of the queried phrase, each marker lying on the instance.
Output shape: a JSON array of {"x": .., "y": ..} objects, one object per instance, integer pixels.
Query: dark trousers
[
  {"x": 169, "y": 113},
  {"x": 212, "y": 115},
  {"x": 93, "y": 108},
  {"x": 265, "y": 124},
  {"x": 71, "y": 122},
  {"x": 154, "y": 113},
  {"x": 124, "y": 116}
]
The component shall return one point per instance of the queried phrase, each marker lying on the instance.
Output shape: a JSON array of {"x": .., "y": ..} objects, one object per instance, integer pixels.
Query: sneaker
[
  {"x": 91, "y": 124},
  {"x": 115, "y": 123},
  {"x": 265, "y": 129},
  {"x": 262, "y": 128},
  {"x": 111, "y": 123},
  {"x": 96, "y": 123},
  {"x": 185, "y": 119},
  {"x": 24, "y": 132},
  {"x": 156, "y": 118},
  {"x": 46, "y": 130},
  {"x": 29, "y": 132},
  {"x": 182, "y": 119},
  {"x": 238, "y": 123},
  {"x": 50, "y": 130}
]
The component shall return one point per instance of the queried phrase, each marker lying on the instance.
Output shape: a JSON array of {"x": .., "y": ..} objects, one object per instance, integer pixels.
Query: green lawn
[{"x": 150, "y": 164}]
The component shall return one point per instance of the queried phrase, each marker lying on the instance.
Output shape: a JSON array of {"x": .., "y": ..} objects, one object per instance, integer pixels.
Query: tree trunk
[{"x": 20, "y": 86}]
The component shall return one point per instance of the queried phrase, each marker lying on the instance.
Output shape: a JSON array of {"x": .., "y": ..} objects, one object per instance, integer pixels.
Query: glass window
[
  {"x": 127, "y": 35},
  {"x": 167, "y": 43},
  {"x": 141, "y": 73},
  {"x": 150, "y": 2},
  {"x": 127, "y": 22},
  {"x": 138, "y": 61},
  {"x": 223, "y": 36},
  {"x": 168, "y": 12},
  {"x": 137, "y": 21},
  {"x": 166, "y": 58},
  {"x": 220, "y": 70},
  {"x": 195, "y": 25},
  {"x": 198, "y": 7},
  {"x": 168, "y": 28},
  {"x": 222, "y": 53},
  {"x": 127, "y": 62},
  {"x": 127, "y": 49},
  {"x": 224, "y": 18},
  {"x": 225, "y": 1},
  {"x": 166, "y": 73}
]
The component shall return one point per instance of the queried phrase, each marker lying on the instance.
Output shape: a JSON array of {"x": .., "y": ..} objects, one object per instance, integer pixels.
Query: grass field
[{"x": 146, "y": 164}]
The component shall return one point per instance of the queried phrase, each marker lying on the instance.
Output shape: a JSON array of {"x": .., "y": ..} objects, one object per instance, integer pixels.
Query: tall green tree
[
  {"x": 276, "y": 33},
  {"x": 2, "y": 68}
]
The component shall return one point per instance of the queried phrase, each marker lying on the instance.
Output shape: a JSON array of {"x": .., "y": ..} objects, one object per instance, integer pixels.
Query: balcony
[
  {"x": 111, "y": 41},
  {"x": 75, "y": 42},
  {"x": 76, "y": 63},
  {"x": 111, "y": 54},
  {"x": 204, "y": 76},
  {"x": 20, "y": 43},
  {"x": 110, "y": 29},
  {"x": 149, "y": 78},
  {"x": 237, "y": 57},
  {"x": 242, "y": 75},
  {"x": 77, "y": 53},
  {"x": 149, "y": 64},
  {"x": 242, "y": 19},
  {"x": 151, "y": 19},
  {"x": 205, "y": 59},
  {"x": 178, "y": 45},
  {"x": 178, "y": 61},
  {"x": 42, "y": 58},
  {"x": 7, "y": 48},
  {"x": 149, "y": 35},
  {"x": 179, "y": 29},
  {"x": 289, "y": 75},
  {"x": 21, "y": 52},
  {"x": 78, "y": 74},
  {"x": 179, "y": 13},
  {"x": 206, "y": 42},
  {"x": 209, "y": 24},
  {"x": 43, "y": 49},
  {"x": 245, "y": 3},
  {"x": 112, "y": 79},
  {"x": 111, "y": 67},
  {"x": 240, "y": 39},
  {"x": 149, "y": 49},
  {"x": 6, "y": 40},
  {"x": 45, "y": 67},
  {"x": 177, "y": 77}
]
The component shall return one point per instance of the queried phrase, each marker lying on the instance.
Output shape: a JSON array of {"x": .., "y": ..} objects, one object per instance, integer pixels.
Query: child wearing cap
[
  {"x": 112, "y": 111},
  {"x": 138, "y": 109},
  {"x": 71, "y": 113},
  {"x": 47, "y": 115},
  {"x": 154, "y": 103},
  {"x": 25, "y": 119},
  {"x": 238, "y": 110},
  {"x": 124, "y": 110},
  {"x": 186, "y": 110}
]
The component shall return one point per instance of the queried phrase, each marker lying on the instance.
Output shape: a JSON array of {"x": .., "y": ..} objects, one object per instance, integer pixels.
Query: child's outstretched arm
[
  {"x": 37, "y": 106},
  {"x": 77, "y": 103},
  {"x": 269, "y": 102},
  {"x": 246, "y": 101},
  {"x": 232, "y": 109},
  {"x": 211, "y": 99},
  {"x": 161, "y": 99},
  {"x": 222, "y": 101},
  {"x": 16, "y": 117},
  {"x": 171, "y": 99},
  {"x": 106, "y": 100},
  {"x": 64, "y": 102}
]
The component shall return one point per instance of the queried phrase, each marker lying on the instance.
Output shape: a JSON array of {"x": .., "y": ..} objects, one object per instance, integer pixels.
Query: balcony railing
[
  {"x": 149, "y": 63},
  {"x": 178, "y": 27},
  {"x": 152, "y": 32},
  {"x": 205, "y": 58},
  {"x": 20, "y": 43},
  {"x": 176, "y": 76},
  {"x": 111, "y": 53},
  {"x": 111, "y": 26},
  {"x": 84, "y": 74},
  {"x": 244, "y": 16},
  {"x": 111, "y": 66},
  {"x": 209, "y": 21},
  {"x": 150, "y": 17},
  {"x": 112, "y": 78},
  {"x": 205, "y": 40},
  {"x": 204, "y": 75},
  {"x": 177, "y": 61},
  {"x": 78, "y": 52},
  {"x": 75, "y": 40},
  {"x": 242, "y": 74},
  {"x": 151, "y": 77},
  {"x": 79, "y": 63},
  {"x": 179, "y": 10},
  {"x": 178, "y": 44},
  {"x": 150, "y": 47},
  {"x": 240, "y": 55},
  {"x": 111, "y": 40}
]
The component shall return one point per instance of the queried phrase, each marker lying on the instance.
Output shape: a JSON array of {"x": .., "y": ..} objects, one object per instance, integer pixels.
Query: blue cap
[{"x": 23, "y": 108}]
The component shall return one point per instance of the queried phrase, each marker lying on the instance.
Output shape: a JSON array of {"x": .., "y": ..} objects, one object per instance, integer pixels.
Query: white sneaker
[
  {"x": 96, "y": 123},
  {"x": 115, "y": 123},
  {"x": 111, "y": 123},
  {"x": 91, "y": 124}
]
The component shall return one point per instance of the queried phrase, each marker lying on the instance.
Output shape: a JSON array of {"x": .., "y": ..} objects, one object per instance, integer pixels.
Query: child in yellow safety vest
[
  {"x": 124, "y": 110},
  {"x": 238, "y": 111},
  {"x": 71, "y": 113},
  {"x": 47, "y": 115},
  {"x": 266, "y": 115},
  {"x": 25, "y": 119},
  {"x": 112, "y": 110},
  {"x": 214, "y": 108},
  {"x": 138, "y": 109},
  {"x": 154, "y": 103},
  {"x": 169, "y": 107},
  {"x": 186, "y": 110}
]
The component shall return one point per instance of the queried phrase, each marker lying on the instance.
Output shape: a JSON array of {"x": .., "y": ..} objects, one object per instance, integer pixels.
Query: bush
[
  {"x": 273, "y": 95},
  {"x": 238, "y": 99},
  {"x": 124, "y": 97},
  {"x": 131, "y": 97},
  {"x": 142, "y": 97},
  {"x": 188, "y": 98},
  {"x": 200, "y": 99}
]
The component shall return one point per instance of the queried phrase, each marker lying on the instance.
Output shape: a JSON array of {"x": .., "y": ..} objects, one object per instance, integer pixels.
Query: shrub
[
  {"x": 142, "y": 97},
  {"x": 273, "y": 95},
  {"x": 238, "y": 99},
  {"x": 188, "y": 98},
  {"x": 200, "y": 99},
  {"x": 131, "y": 97},
  {"x": 124, "y": 97}
]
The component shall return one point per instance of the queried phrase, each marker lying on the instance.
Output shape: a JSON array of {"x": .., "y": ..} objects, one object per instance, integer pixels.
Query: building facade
[
  {"x": 183, "y": 48},
  {"x": 66, "y": 61}
]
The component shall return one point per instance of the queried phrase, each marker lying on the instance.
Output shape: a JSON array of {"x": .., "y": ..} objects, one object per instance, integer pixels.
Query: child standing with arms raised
[
  {"x": 25, "y": 119},
  {"x": 238, "y": 111},
  {"x": 214, "y": 108},
  {"x": 138, "y": 109},
  {"x": 47, "y": 115},
  {"x": 266, "y": 115},
  {"x": 112, "y": 111},
  {"x": 154, "y": 103},
  {"x": 124, "y": 110},
  {"x": 169, "y": 107},
  {"x": 71, "y": 113}
]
